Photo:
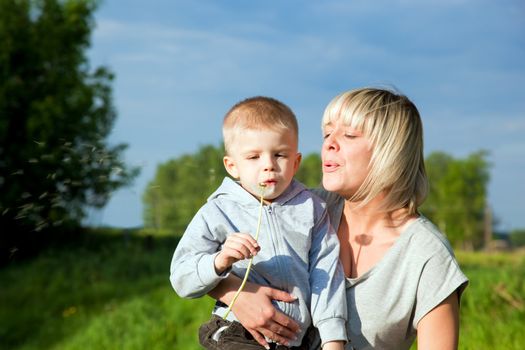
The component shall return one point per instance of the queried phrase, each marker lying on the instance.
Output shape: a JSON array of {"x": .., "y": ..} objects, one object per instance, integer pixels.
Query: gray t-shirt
[{"x": 416, "y": 274}]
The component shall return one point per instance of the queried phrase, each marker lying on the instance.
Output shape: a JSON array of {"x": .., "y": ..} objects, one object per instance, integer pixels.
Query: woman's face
[{"x": 346, "y": 155}]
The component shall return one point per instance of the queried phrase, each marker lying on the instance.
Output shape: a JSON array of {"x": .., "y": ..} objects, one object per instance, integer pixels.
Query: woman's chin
[{"x": 331, "y": 185}]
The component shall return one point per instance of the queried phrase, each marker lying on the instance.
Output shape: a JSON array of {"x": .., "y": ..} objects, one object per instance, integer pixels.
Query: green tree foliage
[
  {"x": 517, "y": 237},
  {"x": 456, "y": 201},
  {"x": 309, "y": 172},
  {"x": 458, "y": 196},
  {"x": 180, "y": 187},
  {"x": 55, "y": 116}
]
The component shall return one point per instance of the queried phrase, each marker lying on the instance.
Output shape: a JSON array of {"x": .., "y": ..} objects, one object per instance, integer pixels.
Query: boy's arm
[
  {"x": 192, "y": 271},
  {"x": 201, "y": 259},
  {"x": 328, "y": 301}
]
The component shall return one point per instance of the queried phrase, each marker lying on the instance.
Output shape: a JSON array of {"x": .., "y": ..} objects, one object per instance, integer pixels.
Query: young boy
[{"x": 297, "y": 250}]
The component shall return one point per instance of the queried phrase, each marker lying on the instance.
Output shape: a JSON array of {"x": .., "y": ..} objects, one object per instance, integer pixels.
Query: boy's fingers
[
  {"x": 233, "y": 253},
  {"x": 247, "y": 237},
  {"x": 247, "y": 241}
]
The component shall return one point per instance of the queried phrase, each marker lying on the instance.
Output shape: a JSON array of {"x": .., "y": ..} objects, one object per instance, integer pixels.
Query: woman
[{"x": 402, "y": 278}]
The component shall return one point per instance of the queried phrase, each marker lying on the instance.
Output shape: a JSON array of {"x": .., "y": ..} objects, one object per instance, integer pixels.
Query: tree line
[
  {"x": 457, "y": 199},
  {"x": 56, "y": 113}
]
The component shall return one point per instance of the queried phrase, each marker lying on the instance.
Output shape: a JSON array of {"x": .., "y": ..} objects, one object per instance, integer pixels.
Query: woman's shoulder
[
  {"x": 331, "y": 198},
  {"x": 427, "y": 238}
]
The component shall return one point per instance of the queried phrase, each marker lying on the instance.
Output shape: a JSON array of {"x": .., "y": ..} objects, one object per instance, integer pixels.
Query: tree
[
  {"x": 55, "y": 116},
  {"x": 310, "y": 172},
  {"x": 517, "y": 237},
  {"x": 180, "y": 187},
  {"x": 458, "y": 196}
]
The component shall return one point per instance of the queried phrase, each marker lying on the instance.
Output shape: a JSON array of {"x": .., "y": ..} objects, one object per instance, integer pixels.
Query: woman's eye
[{"x": 350, "y": 136}]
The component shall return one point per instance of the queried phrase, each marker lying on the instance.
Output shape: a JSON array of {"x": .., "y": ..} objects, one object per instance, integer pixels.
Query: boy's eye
[
  {"x": 253, "y": 157},
  {"x": 280, "y": 155}
]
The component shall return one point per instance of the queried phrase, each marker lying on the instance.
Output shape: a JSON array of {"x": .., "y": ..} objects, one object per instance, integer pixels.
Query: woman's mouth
[{"x": 330, "y": 166}]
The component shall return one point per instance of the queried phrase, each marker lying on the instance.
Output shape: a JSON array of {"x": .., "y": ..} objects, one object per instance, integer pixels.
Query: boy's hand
[{"x": 238, "y": 246}]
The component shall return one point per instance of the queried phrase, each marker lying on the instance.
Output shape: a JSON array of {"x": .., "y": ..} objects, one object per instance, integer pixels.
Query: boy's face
[{"x": 263, "y": 156}]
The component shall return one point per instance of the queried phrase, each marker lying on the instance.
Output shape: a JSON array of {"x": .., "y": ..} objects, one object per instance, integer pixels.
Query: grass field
[{"x": 111, "y": 291}]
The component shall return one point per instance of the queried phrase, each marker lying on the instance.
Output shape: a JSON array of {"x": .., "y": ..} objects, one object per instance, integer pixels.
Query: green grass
[
  {"x": 98, "y": 292},
  {"x": 493, "y": 306},
  {"x": 111, "y": 291}
]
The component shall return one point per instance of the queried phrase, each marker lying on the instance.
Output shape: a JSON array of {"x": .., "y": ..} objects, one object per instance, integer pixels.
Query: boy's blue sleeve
[
  {"x": 192, "y": 270},
  {"x": 328, "y": 303}
]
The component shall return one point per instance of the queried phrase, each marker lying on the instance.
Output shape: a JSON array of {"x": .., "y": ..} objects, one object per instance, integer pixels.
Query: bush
[{"x": 517, "y": 238}]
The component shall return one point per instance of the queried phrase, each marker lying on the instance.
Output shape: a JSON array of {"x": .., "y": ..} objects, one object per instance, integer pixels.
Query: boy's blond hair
[
  {"x": 393, "y": 124},
  {"x": 257, "y": 113}
]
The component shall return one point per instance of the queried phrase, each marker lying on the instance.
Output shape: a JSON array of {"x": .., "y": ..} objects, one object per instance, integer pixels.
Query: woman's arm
[
  {"x": 255, "y": 311},
  {"x": 439, "y": 329}
]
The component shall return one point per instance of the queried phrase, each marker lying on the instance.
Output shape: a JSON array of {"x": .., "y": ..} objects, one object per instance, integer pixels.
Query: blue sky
[{"x": 180, "y": 65}]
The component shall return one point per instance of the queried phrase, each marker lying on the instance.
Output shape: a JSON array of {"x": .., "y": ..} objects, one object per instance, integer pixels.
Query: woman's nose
[{"x": 330, "y": 143}]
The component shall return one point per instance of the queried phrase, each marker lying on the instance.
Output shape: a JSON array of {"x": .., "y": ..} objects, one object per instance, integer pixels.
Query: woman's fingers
[
  {"x": 259, "y": 338},
  {"x": 283, "y": 322},
  {"x": 284, "y": 326},
  {"x": 277, "y": 333},
  {"x": 276, "y": 294}
]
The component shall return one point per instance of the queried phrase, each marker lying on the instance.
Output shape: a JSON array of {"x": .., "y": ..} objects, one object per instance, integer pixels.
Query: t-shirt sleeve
[{"x": 440, "y": 277}]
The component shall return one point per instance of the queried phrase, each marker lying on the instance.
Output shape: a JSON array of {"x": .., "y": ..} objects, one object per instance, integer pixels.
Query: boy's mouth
[{"x": 269, "y": 182}]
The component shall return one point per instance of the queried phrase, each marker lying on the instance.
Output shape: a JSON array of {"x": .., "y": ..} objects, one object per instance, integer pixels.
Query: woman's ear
[{"x": 230, "y": 166}]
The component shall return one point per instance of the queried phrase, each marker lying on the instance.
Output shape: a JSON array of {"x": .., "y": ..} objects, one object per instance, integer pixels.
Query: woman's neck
[
  {"x": 366, "y": 233},
  {"x": 369, "y": 217}
]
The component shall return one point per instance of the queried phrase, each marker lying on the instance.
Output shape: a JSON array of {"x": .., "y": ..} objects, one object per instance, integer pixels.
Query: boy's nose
[{"x": 269, "y": 164}]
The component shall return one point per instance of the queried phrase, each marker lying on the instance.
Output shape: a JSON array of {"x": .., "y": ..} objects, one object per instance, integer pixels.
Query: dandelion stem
[{"x": 247, "y": 273}]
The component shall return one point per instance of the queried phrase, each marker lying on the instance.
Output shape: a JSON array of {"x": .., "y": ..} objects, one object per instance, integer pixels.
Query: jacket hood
[{"x": 232, "y": 190}]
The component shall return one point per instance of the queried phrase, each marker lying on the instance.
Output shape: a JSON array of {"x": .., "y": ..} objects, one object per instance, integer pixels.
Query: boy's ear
[
  {"x": 230, "y": 166},
  {"x": 297, "y": 162}
]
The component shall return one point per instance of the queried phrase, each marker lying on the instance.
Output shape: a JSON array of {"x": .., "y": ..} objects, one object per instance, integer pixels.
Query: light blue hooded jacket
[{"x": 299, "y": 254}]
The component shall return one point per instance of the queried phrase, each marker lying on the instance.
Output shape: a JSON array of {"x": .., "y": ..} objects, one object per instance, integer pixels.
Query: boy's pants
[{"x": 235, "y": 337}]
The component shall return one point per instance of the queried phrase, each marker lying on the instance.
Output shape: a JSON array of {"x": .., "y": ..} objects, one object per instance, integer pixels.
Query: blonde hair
[
  {"x": 393, "y": 124},
  {"x": 257, "y": 113}
]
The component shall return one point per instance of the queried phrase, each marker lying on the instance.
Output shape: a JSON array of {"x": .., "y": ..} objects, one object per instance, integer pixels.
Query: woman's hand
[
  {"x": 334, "y": 345},
  {"x": 255, "y": 311}
]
